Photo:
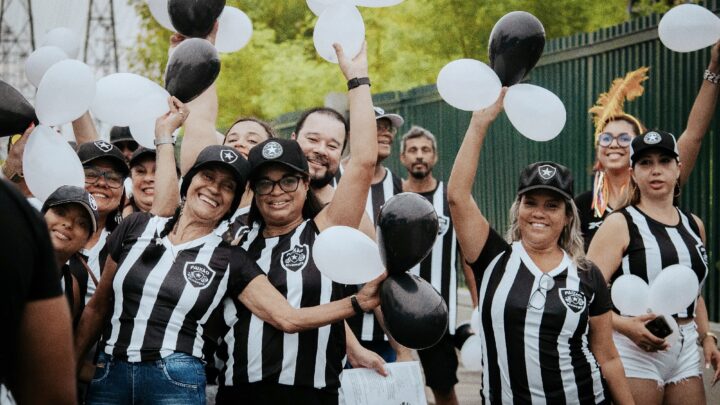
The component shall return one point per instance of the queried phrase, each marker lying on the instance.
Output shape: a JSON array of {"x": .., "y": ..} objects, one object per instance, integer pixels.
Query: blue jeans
[{"x": 174, "y": 380}]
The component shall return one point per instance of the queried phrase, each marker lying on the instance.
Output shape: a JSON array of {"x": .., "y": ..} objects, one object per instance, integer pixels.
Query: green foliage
[{"x": 279, "y": 71}]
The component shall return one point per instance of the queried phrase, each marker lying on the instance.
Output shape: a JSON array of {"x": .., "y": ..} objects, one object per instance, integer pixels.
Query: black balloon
[
  {"x": 416, "y": 315},
  {"x": 195, "y": 18},
  {"x": 407, "y": 227},
  {"x": 516, "y": 44},
  {"x": 192, "y": 68},
  {"x": 16, "y": 113},
  {"x": 462, "y": 333}
]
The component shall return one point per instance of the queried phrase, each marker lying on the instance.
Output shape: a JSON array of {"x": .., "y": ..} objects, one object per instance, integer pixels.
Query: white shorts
[{"x": 681, "y": 361}]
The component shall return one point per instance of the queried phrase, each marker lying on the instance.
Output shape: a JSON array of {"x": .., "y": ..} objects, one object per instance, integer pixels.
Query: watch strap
[
  {"x": 164, "y": 141},
  {"x": 357, "y": 81}
]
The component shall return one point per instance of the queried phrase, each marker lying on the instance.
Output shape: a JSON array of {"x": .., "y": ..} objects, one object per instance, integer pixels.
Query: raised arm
[
  {"x": 96, "y": 311},
  {"x": 167, "y": 190},
  {"x": 348, "y": 203},
  {"x": 84, "y": 129},
  {"x": 699, "y": 119},
  {"x": 263, "y": 300},
  {"x": 471, "y": 226}
]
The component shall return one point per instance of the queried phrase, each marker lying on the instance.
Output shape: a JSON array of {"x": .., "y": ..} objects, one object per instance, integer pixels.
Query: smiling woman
[{"x": 545, "y": 310}]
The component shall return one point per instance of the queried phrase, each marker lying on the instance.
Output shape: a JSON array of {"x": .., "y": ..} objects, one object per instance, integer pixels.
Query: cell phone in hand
[{"x": 659, "y": 327}]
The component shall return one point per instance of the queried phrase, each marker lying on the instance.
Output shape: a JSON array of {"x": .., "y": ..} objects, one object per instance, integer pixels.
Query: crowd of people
[{"x": 163, "y": 277}]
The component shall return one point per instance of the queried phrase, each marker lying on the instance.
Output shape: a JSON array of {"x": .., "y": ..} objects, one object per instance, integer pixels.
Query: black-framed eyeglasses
[
  {"x": 112, "y": 179},
  {"x": 287, "y": 184},
  {"x": 623, "y": 140},
  {"x": 539, "y": 296}
]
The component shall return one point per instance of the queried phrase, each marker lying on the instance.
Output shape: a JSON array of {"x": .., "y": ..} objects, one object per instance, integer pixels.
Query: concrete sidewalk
[{"x": 469, "y": 387}]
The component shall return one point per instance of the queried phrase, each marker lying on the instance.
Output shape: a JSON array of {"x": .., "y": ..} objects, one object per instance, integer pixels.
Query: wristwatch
[
  {"x": 357, "y": 82},
  {"x": 163, "y": 141}
]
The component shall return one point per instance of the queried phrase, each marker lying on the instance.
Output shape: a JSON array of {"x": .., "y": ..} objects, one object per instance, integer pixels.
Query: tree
[{"x": 279, "y": 71}]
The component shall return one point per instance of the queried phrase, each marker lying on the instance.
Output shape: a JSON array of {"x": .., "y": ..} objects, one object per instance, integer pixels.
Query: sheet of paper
[{"x": 403, "y": 386}]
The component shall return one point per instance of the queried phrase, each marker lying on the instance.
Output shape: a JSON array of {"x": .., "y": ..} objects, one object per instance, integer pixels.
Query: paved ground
[{"x": 469, "y": 386}]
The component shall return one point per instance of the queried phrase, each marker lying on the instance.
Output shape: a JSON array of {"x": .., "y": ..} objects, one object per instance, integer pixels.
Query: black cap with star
[
  {"x": 549, "y": 176},
  {"x": 90, "y": 151},
  {"x": 74, "y": 195},
  {"x": 653, "y": 140},
  {"x": 286, "y": 152},
  {"x": 223, "y": 156}
]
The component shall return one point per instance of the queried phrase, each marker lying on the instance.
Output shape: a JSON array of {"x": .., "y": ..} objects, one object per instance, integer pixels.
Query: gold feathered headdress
[{"x": 609, "y": 105}]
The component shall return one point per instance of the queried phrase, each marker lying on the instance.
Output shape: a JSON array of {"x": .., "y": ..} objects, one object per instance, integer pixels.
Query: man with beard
[{"x": 418, "y": 154}]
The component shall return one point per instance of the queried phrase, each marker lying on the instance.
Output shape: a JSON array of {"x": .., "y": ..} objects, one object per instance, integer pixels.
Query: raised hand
[{"x": 355, "y": 67}]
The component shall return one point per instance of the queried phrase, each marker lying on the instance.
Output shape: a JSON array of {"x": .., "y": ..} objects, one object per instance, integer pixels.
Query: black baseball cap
[
  {"x": 139, "y": 153},
  {"x": 546, "y": 175},
  {"x": 121, "y": 134},
  {"x": 286, "y": 152},
  {"x": 89, "y": 151},
  {"x": 653, "y": 140},
  {"x": 224, "y": 156},
  {"x": 74, "y": 195}
]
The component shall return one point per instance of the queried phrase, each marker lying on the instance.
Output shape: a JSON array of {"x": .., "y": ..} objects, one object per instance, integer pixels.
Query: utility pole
[
  {"x": 17, "y": 42},
  {"x": 101, "y": 51}
]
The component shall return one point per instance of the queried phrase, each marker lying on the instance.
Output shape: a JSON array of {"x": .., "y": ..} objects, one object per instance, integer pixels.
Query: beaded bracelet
[{"x": 713, "y": 78}]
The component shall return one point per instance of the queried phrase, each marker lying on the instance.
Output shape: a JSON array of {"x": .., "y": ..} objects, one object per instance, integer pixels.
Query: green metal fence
[{"x": 578, "y": 68}]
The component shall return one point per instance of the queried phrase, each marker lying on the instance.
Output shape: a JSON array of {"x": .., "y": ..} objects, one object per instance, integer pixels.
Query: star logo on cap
[
  {"x": 547, "y": 172},
  {"x": 103, "y": 146},
  {"x": 651, "y": 138},
  {"x": 272, "y": 150},
  {"x": 91, "y": 201},
  {"x": 228, "y": 156}
]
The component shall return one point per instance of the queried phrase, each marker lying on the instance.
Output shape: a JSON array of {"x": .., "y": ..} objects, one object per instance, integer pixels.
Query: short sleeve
[
  {"x": 494, "y": 246},
  {"x": 123, "y": 232},
  {"x": 243, "y": 270},
  {"x": 601, "y": 302}
]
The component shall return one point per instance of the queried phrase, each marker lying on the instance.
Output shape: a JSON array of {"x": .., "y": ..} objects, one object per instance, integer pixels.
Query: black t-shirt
[
  {"x": 27, "y": 266},
  {"x": 589, "y": 222}
]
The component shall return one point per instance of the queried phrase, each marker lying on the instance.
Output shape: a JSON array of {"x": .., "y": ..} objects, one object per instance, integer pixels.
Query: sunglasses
[
  {"x": 623, "y": 140},
  {"x": 539, "y": 296}
]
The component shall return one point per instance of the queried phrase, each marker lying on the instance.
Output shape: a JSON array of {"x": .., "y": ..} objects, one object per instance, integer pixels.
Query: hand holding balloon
[
  {"x": 483, "y": 118},
  {"x": 166, "y": 125},
  {"x": 13, "y": 164},
  {"x": 355, "y": 67},
  {"x": 369, "y": 296}
]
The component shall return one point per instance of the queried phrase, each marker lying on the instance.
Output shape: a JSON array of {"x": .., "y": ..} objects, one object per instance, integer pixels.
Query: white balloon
[
  {"x": 629, "y": 294},
  {"x": 234, "y": 31},
  {"x": 318, "y": 6},
  {"x": 689, "y": 27},
  {"x": 535, "y": 112},
  {"x": 347, "y": 256},
  {"x": 124, "y": 98},
  {"x": 40, "y": 61},
  {"x": 340, "y": 23},
  {"x": 377, "y": 3},
  {"x": 144, "y": 133},
  {"x": 159, "y": 11},
  {"x": 475, "y": 320},
  {"x": 468, "y": 84},
  {"x": 65, "y": 92},
  {"x": 65, "y": 39},
  {"x": 50, "y": 162},
  {"x": 673, "y": 290},
  {"x": 471, "y": 353}
]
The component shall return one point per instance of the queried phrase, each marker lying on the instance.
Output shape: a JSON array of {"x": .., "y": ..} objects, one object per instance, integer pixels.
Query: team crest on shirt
[
  {"x": 198, "y": 274},
  {"x": 444, "y": 224},
  {"x": 574, "y": 300},
  {"x": 295, "y": 258},
  {"x": 702, "y": 252}
]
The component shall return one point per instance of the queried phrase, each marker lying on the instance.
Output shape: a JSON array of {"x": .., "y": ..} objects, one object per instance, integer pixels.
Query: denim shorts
[{"x": 176, "y": 379}]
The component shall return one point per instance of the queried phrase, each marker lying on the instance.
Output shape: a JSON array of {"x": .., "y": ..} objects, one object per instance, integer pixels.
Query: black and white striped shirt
[
  {"x": 162, "y": 304},
  {"x": 537, "y": 355},
  {"x": 365, "y": 326},
  {"x": 439, "y": 267},
  {"x": 655, "y": 246},
  {"x": 255, "y": 351}
]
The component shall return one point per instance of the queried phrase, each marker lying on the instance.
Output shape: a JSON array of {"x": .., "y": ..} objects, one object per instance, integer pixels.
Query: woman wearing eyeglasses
[
  {"x": 544, "y": 309},
  {"x": 615, "y": 129},
  {"x": 263, "y": 364}
]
